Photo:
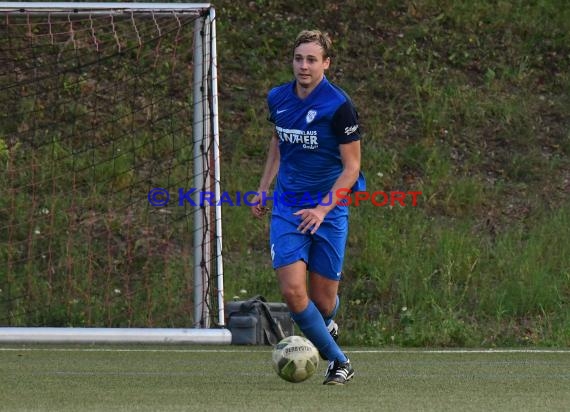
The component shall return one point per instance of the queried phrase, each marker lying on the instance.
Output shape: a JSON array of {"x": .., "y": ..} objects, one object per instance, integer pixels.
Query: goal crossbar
[{"x": 91, "y": 7}]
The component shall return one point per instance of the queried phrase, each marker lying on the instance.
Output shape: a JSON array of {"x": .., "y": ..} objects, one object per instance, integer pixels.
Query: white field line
[{"x": 359, "y": 351}]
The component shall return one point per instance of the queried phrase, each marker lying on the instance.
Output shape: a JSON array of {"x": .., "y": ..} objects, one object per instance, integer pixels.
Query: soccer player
[{"x": 314, "y": 152}]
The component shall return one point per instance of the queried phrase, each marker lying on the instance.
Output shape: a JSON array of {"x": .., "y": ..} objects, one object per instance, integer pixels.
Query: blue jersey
[{"x": 310, "y": 133}]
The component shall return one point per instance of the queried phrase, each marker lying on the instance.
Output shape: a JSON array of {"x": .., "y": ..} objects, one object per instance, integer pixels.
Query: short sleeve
[
  {"x": 270, "y": 116},
  {"x": 345, "y": 123}
]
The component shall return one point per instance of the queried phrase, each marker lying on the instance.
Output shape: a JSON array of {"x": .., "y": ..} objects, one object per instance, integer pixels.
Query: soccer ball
[{"x": 295, "y": 359}]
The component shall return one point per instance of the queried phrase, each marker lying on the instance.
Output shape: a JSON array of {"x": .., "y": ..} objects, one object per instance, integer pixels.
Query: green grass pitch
[{"x": 230, "y": 378}]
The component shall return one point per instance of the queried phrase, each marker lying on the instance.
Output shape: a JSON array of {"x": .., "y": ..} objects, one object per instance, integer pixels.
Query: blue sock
[
  {"x": 331, "y": 315},
  {"x": 311, "y": 323}
]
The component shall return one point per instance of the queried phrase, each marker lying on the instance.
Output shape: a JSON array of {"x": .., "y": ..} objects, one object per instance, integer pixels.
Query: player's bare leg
[
  {"x": 293, "y": 285},
  {"x": 323, "y": 291}
]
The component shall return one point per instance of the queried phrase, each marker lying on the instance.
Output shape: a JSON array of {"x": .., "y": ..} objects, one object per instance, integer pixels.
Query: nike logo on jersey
[{"x": 281, "y": 111}]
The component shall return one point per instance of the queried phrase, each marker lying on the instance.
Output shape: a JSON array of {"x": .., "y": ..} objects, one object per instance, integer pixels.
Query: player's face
[{"x": 309, "y": 65}]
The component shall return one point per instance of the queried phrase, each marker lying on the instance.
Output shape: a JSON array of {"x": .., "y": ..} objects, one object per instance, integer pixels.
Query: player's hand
[
  {"x": 258, "y": 210},
  {"x": 310, "y": 219}
]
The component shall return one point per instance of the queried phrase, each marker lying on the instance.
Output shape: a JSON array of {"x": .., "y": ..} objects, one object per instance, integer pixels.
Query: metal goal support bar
[{"x": 115, "y": 335}]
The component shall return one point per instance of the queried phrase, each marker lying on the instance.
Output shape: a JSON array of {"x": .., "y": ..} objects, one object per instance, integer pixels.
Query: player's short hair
[{"x": 315, "y": 36}]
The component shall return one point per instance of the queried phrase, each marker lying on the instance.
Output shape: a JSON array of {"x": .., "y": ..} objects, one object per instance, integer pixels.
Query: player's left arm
[
  {"x": 345, "y": 127},
  {"x": 350, "y": 156}
]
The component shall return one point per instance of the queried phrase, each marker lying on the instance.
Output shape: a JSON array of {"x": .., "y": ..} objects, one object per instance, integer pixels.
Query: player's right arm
[{"x": 269, "y": 172}]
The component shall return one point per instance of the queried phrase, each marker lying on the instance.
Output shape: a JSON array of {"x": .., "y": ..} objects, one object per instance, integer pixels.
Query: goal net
[{"x": 108, "y": 131}]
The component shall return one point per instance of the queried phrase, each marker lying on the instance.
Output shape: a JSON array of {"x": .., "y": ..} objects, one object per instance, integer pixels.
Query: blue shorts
[{"x": 323, "y": 252}]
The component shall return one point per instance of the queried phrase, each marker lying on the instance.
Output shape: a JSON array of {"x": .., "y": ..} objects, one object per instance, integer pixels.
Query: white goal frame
[{"x": 207, "y": 256}]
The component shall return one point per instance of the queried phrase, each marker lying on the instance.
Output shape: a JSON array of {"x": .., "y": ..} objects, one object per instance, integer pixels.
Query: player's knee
[
  {"x": 296, "y": 298},
  {"x": 292, "y": 294},
  {"x": 324, "y": 304}
]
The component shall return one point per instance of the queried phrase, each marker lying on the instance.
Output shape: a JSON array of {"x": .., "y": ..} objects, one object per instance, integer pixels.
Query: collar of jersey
[{"x": 313, "y": 93}]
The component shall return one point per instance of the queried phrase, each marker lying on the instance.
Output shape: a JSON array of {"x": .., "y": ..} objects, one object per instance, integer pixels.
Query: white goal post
[{"x": 208, "y": 324}]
